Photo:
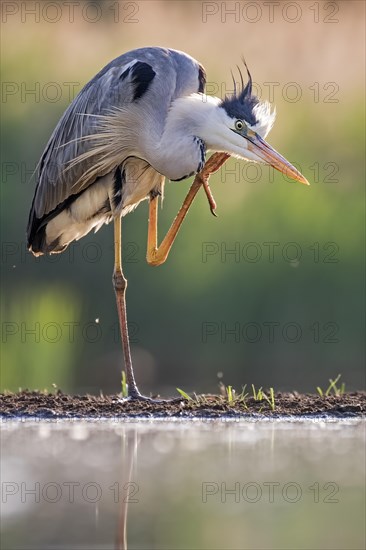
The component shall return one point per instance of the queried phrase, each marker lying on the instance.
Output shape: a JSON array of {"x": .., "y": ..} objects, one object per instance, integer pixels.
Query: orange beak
[{"x": 267, "y": 154}]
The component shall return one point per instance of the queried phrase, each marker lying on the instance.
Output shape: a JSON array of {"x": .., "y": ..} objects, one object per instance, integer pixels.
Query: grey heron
[{"x": 142, "y": 119}]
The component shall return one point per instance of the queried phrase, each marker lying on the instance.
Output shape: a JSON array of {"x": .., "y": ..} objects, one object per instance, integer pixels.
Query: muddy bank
[{"x": 60, "y": 405}]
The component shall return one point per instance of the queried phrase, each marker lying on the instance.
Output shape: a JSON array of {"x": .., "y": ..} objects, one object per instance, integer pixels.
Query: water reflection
[
  {"x": 203, "y": 485},
  {"x": 130, "y": 443}
]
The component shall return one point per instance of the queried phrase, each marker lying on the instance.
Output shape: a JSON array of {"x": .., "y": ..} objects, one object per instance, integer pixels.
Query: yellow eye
[{"x": 239, "y": 125}]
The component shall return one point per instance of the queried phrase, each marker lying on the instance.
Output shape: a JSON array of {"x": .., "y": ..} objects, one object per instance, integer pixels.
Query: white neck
[
  {"x": 177, "y": 154},
  {"x": 191, "y": 114}
]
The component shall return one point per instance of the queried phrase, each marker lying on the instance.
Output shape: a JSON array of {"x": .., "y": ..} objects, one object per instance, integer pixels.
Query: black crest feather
[{"x": 241, "y": 104}]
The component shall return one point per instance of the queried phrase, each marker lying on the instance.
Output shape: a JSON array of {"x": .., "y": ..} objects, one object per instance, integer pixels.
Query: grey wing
[
  {"x": 74, "y": 156},
  {"x": 105, "y": 125}
]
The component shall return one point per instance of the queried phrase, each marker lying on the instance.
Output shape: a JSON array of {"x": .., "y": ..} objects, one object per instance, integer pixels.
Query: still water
[{"x": 183, "y": 485}]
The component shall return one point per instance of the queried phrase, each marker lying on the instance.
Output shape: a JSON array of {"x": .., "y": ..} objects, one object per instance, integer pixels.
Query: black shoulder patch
[
  {"x": 201, "y": 79},
  {"x": 142, "y": 76},
  {"x": 125, "y": 73}
]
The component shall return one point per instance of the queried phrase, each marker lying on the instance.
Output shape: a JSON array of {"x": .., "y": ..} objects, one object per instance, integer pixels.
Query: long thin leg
[
  {"x": 120, "y": 285},
  {"x": 130, "y": 443},
  {"x": 157, "y": 255}
]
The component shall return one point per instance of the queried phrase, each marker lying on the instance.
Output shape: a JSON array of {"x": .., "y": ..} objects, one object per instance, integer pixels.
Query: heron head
[{"x": 242, "y": 123}]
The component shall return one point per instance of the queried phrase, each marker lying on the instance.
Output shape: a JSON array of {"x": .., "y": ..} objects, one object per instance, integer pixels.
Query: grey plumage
[
  {"x": 141, "y": 119},
  {"x": 76, "y": 176}
]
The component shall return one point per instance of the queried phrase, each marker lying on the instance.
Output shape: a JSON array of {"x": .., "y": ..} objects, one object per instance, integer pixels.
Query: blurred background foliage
[{"x": 298, "y": 315}]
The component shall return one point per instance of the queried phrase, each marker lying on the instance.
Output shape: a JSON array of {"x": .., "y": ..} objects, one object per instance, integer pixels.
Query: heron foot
[
  {"x": 144, "y": 398},
  {"x": 209, "y": 195}
]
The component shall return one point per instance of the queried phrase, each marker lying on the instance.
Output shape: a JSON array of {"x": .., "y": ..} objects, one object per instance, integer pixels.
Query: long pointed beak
[{"x": 267, "y": 154}]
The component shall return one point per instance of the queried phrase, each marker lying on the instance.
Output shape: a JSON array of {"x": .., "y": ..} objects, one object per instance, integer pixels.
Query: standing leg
[
  {"x": 155, "y": 256},
  {"x": 120, "y": 285}
]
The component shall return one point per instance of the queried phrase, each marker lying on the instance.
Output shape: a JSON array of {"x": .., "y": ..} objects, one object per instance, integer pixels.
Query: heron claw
[
  {"x": 144, "y": 398},
  {"x": 210, "y": 198}
]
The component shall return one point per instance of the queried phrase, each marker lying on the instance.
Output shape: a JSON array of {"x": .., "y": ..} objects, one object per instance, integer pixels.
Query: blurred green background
[{"x": 286, "y": 309}]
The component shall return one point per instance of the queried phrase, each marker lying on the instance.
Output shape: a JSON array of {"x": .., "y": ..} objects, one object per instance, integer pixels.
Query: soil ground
[{"x": 60, "y": 405}]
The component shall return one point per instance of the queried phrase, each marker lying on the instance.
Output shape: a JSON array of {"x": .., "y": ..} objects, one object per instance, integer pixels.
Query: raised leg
[
  {"x": 157, "y": 255},
  {"x": 120, "y": 285}
]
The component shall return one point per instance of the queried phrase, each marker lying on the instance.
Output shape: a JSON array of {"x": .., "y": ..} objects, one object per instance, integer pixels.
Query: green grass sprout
[
  {"x": 257, "y": 395},
  {"x": 270, "y": 399},
  {"x": 230, "y": 393},
  {"x": 124, "y": 385},
  {"x": 332, "y": 386},
  {"x": 184, "y": 394}
]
